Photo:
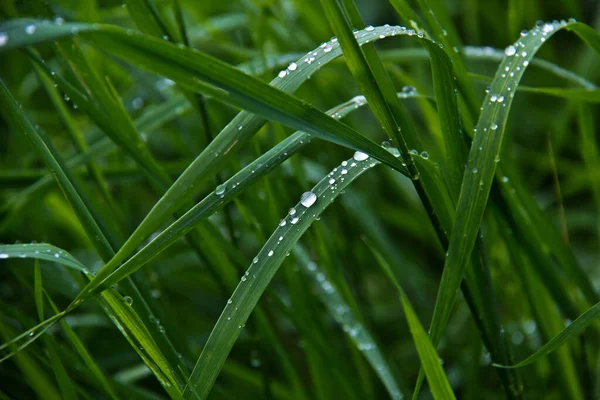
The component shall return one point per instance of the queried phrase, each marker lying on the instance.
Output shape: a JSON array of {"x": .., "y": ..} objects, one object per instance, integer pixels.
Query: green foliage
[{"x": 147, "y": 167}]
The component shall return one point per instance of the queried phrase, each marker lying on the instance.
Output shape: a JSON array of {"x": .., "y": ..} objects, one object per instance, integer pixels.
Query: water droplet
[
  {"x": 424, "y": 155},
  {"x": 270, "y": 253},
  {"x": 229, "y": 301},
  {"x": 128, "y": 300},
  {"x": 547, "y": 28},
  {"x": 331, "y": 181},
  {"x": 3, "y": 256},
  {"x": 344, "y": 163},
  {"x": 294, "y": 220},
  {"x": 308, "y": 199},
  {"x": 293, "y": 66},
  {"x": 282, "y": 222},
  {"x": 292, "y": 211},
  {"x": 360, "y": 156},
  {"x": 505, "y": 179},
  {"x": 369, "y": 28},
  {"x": 510, "y": 50},
  {"x": 282, "y": 74},
  {"x": 475, "y": 170},
  {"x": 30, "y": 29},
  {"x": 344, "y": 171},
  {"x": 409, "y": 89},
  {"x": 219, "y": 190},
  {"x": 494, "y": 127},
  {"x": 59, "y": 20},
  {"x": 56, "y": 255},
  {"x": 255, "y": 260},
  {"x": 3, "y": 39}
]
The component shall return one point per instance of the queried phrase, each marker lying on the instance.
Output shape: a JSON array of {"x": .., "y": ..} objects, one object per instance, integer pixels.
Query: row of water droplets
[
  {"x": 344, "y": 316},
  {"x": 41, "y": 251},
  {"x": 516, "y": 60},
  {"x": 367, "y": 35},
  {"x": 296, "y": 214},
  {"x": 29, "y": 29}
]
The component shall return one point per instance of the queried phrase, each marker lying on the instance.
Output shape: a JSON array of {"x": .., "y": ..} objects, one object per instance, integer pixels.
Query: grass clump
[{"x": 152, "y": 151}]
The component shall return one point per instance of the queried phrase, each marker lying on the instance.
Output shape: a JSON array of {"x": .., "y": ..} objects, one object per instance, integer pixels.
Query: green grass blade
[
  {"x": 222, "y": 194},
  {"x": 343, "y": 314},
  {"x": 438, "y": 381},
  {"x": 574, "y": 329},
  {"x": 262, "y": 270},
  {"x": 208, "y": 75},
  {"x": 485, "y": 152},
  {"x": 58, "y": 170}
]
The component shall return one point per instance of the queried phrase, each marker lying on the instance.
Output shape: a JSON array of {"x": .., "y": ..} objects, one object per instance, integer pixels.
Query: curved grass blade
[
  {"x": 438, "y": 381},
  {"x": 483, "y": 157},
  {"x": 343, "y": 314},
  {"x": 200, "y": 72},
  {"x": 574, "y": 329},
  {"x": 264, "y": 267},
  {"x": 117, "y": 307},
  {"x": 409, "y": 55},
  {"x": 58, "y": 170},
  {"x": 223, "y": 194}
]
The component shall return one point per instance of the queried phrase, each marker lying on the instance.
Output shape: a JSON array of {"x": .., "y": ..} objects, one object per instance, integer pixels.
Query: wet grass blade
[
  {"x": 263, "y": 268},
  {"x": 481, "y": 166},
  {"x": 574, "y": 329},
  {"x": 343, "y": 314},
  {"x": 205, "y": 74},
  {"x": 58, "y": 170},
  {"x": 438, "y": 381}
]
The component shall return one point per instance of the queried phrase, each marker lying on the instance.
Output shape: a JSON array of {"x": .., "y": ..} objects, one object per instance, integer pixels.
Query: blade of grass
[
  {"x": 262, "y": 270},
  {"x": 482, "y": 164},
  {"x": 343, "y": 314},
  {"x": 438, "y": 381}
]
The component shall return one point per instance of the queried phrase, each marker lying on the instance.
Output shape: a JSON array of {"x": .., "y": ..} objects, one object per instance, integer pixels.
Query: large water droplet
[
  {"x": 308, "y": 199},
  {"x": 293, "y": 66},
  {"x": 219, "y": 190},
  {"x": 510, "y": 50},
  {"x": 360, "y": 156},
  {"x": 30, "y": 29},
  {"x": 128, "y": 300}
]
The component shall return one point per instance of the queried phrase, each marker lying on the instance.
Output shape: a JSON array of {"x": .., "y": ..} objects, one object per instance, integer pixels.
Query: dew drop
[
  {"x": 308, "y": 199},
  {"x": 547, "y": 28},
  {"x": 409, "y": 89},
  {"x": 270, "y": 253},
  {"x": 3, "y": 256},
  {"x": 282, "y": 74},
  {"x": 344, "y": 171},
  {"x": 505, "y": 179},
  {"x": 255, "y": 260},
  {"x": 128, "y": 300},
  {"x": 219, "y": 190},
  {"x": 3, "y": 39},
  {"x": 292, "y": 212},
  {"x": 229, "y": 301},
  {"x": 475, "y": 170},
  {"x": 293, "y": 66},
  {"x": 30, "y": 29},
  {"x": 294, "y": 220},
  {"x": 424, "y": 155},
  {"x": 360, "y": 156},
  {"x": 510, "y": 50},
  {"x": 331, "y": 181}
]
